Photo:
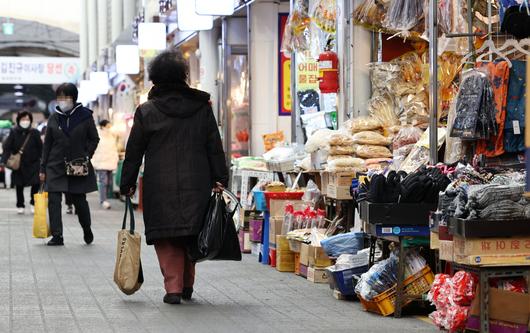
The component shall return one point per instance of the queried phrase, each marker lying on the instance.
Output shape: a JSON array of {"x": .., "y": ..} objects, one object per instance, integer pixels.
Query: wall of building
[{"x": 264, "y": 88}]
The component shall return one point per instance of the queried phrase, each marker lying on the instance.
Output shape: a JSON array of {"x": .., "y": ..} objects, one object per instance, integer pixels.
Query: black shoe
[
  {"x": 172, "y": 299},
  {"x": 70, "y": 210},
  {"x": 88, "y": 236},
  {"x": 56, "y": 241},
  {"x": 186, "y": 293}
]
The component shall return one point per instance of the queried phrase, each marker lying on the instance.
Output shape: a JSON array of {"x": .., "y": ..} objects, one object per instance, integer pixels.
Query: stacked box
[
  {"x": 317, "y": 275},
  {"x": 339, "y": 186},
  {"x": 284, "y": 257}
]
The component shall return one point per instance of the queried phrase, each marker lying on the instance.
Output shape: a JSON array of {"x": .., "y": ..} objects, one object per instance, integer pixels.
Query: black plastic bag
[{"x": 218, "y": 239}]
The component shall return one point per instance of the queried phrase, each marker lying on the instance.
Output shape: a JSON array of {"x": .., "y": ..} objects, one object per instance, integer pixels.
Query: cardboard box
[
  {"x": 341, "y": 179},
  {"x": 278, "y": 207},
  {"x": 282, "y": 244},
  {"x": 496, "y": 326},
  {"x": 295, "y": 245},
  {"x": 446, "y": 250},
  {"x": 303, "y": 270},
  {"x": 339, "y": 192},
  {"x": 491, "y": 246},
  {"x": 318, "y": 257},
  {"x": 297, "y": 263},
  {"x": 324, "y": 179},
  {"x": 275, "y": 229},
  {"x": 244, "y": 241},
  {"x": 505, "y": 306},
  {"x": 317, "y": 275},
  {"x": 304, "y": 254},
  {"x": 285, "y": 261},
  {"x": 256, "y": 230},
  {"x": 494, "y": 260},
  {"x": 435, "y": 241}
]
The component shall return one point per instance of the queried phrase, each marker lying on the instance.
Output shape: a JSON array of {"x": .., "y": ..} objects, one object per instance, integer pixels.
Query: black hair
[
  {"x": 168, "y": 68},
  {"x": 68, "y": 90},
  {"x": 23, "y": 114},
  {"x": 104, "y": 123}
]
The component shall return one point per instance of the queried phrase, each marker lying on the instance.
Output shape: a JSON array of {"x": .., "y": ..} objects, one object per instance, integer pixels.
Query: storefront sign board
[
  {"x": 284, "y": 71},
  {"x": 39, "y": 70}
]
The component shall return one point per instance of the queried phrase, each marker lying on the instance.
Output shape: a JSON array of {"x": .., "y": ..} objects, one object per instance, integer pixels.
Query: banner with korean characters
[{"x": 39, "y": 70}]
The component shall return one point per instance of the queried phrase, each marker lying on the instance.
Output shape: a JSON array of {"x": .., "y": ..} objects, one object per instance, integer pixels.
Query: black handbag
[{"x": 218, "y": 239}]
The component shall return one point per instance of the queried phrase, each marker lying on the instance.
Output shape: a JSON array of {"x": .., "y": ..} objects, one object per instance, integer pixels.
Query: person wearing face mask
[
  {"x": 70, "y": 141},
  {"x": 26, "y": 139}
]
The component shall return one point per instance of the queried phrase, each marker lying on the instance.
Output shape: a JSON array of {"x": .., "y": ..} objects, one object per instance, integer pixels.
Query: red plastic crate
[{"x": 282, "y": 196}]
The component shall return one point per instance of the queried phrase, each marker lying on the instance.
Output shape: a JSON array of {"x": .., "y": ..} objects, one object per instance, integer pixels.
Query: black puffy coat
[
  {"x": 177, "y": 133},
  {"x": 69, "y": 136},
  {"x": 28, "y": 174}
]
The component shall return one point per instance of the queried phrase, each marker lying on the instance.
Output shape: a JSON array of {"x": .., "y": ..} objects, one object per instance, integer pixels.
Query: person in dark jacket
[
  {"x": 28, "y": 173},
  {"x": 71, "y": 135},
  {"x": 177, "y": 133}
]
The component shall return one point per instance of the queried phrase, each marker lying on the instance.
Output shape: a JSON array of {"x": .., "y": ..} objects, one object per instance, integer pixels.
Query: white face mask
[
  {"x": 65, "y": 105},
  {"x": 25, "y": 124}
]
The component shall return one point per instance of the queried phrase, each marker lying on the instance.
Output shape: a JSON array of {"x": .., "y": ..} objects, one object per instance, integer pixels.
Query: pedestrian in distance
[
  {"x": 70, "y": 141},
  {"x": 177, "y": 133},
  {"x": 105, "y": 161},
  {"x": 26, "y": 140}
]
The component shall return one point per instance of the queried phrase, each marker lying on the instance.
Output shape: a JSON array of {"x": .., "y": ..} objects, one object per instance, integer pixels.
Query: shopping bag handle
[{"x": 128, "y": 207}]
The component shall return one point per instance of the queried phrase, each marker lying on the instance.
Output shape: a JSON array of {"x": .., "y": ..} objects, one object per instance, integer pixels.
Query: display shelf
[
  {"x": 488, "y": 228},
  {"x": 396, "y": 213}
]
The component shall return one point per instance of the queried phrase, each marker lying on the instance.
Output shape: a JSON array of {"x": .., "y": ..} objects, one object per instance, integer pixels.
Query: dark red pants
[{"x": 177, "y": 269}]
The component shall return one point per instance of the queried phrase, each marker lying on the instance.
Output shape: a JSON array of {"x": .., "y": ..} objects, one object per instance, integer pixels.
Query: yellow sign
[
  {"x": 286, "y": 87},
  {"x": 307, "y": 75}
]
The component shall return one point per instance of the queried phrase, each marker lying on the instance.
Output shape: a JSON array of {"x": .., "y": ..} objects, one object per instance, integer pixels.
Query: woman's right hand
[{"x": 42, "y": 177}]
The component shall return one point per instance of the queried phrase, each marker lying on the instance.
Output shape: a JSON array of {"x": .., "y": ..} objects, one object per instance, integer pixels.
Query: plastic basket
[
  {"x": 260, "y": 201},
  {"x": 282, "y": 196},
  {"x": 283, "y": 166},
  {"x": 384, "y": 303},
  {"x": 343, "y": 280}
]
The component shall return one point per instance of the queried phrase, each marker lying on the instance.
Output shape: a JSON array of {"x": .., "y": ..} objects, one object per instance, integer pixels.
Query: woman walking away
[
  {"x": 105, "y": 161},
  {"x": 184, "y": 160},
  {"x": 71, "y": 139},
  {"x": 25, "y": 140}
]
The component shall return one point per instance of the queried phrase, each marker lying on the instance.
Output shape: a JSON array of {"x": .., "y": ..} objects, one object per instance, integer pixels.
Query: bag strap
[
  {"x": 21, "y": 150},
  {"x": 128, "y": 207}
]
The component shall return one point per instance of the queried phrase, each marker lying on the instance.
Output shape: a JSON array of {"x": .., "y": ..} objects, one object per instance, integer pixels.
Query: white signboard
[{"x": 39, "y": 70}]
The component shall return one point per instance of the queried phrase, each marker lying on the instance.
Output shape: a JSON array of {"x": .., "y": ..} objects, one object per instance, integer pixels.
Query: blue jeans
[{"x": 105, "y": 184}]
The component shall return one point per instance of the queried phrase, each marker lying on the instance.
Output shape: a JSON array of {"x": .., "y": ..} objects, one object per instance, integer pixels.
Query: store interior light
[
  {"x": 100, "y": 82},
  {"x": 152, "y": 36},
  {"x": 127, "y": 59},
  {"x": 214, "y": 7},
  {"x": 189, "y": 20},
  {"x": 8, "y": 28},
  {"x": 19, "y": 93}
]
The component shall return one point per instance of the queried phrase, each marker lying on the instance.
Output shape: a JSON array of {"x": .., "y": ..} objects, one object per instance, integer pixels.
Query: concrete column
[
  {"x": 361, "y": 55},
  {"x": 264, "y": 74},
  {"x": 209, "y": 66},
  {"x": 129, "y": 11},
  {"x": 116, "y": 12},
  {"x": 103, "y": 23},
  {"x": 83, "y": 36},
  {"x": 91, "y": 14}
]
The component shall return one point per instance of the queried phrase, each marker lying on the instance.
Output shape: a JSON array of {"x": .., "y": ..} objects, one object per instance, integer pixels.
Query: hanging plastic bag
[
  {"x": 128, "y": 274},
  {"x": 403, "y": 15},
  {"x": 40, "y": 224},
  {"x": 312, "y": 193},
  {"x": 297, "y": 36},
  {"x": 216, "y": 239}
]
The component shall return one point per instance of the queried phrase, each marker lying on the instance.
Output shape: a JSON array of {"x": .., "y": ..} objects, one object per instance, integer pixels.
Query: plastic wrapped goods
[
  {"x": 403, "y": 15},
  {"x": 407, "y": 135},
  {"x": 297, "y": 35},
  {"x": 350, "y": 162},
  {"x": 380, "y": 277},
  {"x": 360, "y": 124},
  {"x": 369, "y": 151},
  {"x": 370, "y": 13},
  {"x": 382, "y": 107},
  {"x": 319, "y": 140},
  {"x": 371, "y": 138},
  {"x": 342, "y": 150},
  {"x": 348, "y": 243},
  {"x": 339, "y": 139},
  {"x": 324, "y": 14}
]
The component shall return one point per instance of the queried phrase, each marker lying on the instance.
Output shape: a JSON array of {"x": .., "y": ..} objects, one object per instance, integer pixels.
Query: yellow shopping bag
[{"x": 40, "y": 225}]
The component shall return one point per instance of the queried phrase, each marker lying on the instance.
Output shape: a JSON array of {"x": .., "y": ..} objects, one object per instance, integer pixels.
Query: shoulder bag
[{"x": 13, "y": 162}]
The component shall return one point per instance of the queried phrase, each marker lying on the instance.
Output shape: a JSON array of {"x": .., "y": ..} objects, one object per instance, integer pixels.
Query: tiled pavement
[{"x": 70, "y": 289}]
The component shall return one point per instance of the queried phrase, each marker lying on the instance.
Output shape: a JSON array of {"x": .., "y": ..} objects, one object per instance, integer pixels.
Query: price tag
[{"x": 516, "y": 127}]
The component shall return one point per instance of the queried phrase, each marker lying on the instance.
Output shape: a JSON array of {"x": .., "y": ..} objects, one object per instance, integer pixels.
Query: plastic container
[
  {"x": 282, "y": 196},
  {"x": 347, "y": 243},
  {"x": 260, "y": 201},
  {"x": 343, "y": 280},
  {"x": 384, "y": 303}
]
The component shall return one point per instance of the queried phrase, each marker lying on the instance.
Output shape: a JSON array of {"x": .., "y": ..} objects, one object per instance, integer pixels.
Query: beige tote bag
[{"x": 128, "y": 274}]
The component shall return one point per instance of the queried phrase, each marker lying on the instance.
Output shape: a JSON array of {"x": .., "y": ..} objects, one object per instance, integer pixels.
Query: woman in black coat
[
  {"x": 28, "y": 173},
  {"x": 177, "y": 133},
  {"x": 71, "y": 134}
]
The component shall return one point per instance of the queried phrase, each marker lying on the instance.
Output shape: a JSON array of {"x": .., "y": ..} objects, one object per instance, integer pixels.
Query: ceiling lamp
[
  {"x": 214, "y": 7},
  {"x": 152, "y": 36},
  {"x": 189, "y": 20},
  {"x": 127, "y": 59}
]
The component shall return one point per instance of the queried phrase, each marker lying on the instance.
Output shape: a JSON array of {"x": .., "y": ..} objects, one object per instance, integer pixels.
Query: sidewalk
[{"x": 70, "y": 289}]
